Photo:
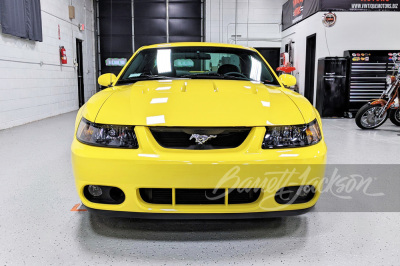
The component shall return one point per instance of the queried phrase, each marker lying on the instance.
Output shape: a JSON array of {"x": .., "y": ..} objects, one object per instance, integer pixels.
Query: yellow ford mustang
[{"x": 198, "y": 130}]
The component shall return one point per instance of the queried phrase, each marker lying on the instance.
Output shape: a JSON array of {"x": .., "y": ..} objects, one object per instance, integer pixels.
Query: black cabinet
[{"x": 332, "y": 87}]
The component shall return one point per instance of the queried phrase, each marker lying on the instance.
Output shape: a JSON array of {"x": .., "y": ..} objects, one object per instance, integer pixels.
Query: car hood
[{"x": 194, "y": 102}]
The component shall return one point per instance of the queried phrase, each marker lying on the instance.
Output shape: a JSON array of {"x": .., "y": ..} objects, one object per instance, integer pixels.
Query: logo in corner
[{"x": 201, "y": 139}]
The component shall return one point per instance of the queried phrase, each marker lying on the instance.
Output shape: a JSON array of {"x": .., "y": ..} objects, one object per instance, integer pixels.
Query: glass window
[{"x": 199, "y": 63}]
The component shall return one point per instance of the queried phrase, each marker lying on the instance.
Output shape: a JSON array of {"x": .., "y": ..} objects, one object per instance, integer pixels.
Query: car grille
[
  {"x": 183, "y": 138},
  {"x": 199, "y": 196}
]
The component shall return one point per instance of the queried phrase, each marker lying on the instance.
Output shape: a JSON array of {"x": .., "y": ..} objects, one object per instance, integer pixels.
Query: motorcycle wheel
[
  {"x": 366, "y": 117},
  {"x": 395, "y": 116}
]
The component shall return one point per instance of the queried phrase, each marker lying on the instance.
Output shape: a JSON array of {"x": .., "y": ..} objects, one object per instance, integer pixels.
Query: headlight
[
  {"x": 113, "y": 136},
  {"x": 292, "y": 136}
]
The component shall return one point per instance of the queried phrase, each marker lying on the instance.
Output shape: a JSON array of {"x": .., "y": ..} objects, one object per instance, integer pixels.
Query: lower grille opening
[
  {"x": 156, "y": 195},
  {"x": 199, "y": 196},
  {"x": 243, "y": 195},
  {"x": 295, "y": 194}
]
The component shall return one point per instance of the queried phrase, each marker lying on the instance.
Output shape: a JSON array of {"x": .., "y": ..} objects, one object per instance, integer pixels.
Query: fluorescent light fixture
[
  {"x": 288, "y": 155},
  {"x": 284, "y": 151},
  {"x": 149, "y": 155},
  {"x": 164, "y": 61},
  {"x": 266, "y": 104},
  {"x": 116, "y": 61},
  {"x": 163, "y": 88},
  {"x": 159, "y": 119},
  {"x": 159, "y": 100},
  {"x": 255, "y": 72}
]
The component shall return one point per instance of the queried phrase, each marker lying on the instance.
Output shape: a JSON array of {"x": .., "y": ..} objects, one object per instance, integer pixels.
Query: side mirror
[
  {"x": 107, "y": 79},
  {"x": 287, "y": 80}
]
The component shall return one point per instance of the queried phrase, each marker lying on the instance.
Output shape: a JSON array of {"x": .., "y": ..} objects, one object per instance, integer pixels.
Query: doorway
[
  {"x": 272, "y": 55},
  {"x": 79, "y": 61},
  {"x": 310, "y": 67}
]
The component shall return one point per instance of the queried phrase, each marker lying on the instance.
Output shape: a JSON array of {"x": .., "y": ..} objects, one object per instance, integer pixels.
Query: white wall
[
  {"x": 353, "y": 30},
  {"x": 29, "y": 91},
  {"x": 258, "y": 22}
]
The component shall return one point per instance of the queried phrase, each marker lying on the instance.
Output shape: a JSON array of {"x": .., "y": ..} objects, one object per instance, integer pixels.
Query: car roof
[{"x": 203, "y": 44}]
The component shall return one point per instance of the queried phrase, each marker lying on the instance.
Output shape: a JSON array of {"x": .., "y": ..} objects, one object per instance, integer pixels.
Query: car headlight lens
[
  {"x": 113, "y": 136},
  {"x": 292, "y": 136}
]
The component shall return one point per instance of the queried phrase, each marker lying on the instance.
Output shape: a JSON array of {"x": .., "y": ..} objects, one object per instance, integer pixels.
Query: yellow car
[{"x": 198, "y": 130}]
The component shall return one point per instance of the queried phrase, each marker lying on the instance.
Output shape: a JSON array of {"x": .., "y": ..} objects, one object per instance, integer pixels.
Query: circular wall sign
[{"x": 329, "y": 19}]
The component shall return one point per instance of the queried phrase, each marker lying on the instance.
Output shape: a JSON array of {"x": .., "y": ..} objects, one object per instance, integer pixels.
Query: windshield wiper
[
  {"x": 211, "y": 74},
  {"x": 202, "y": 75},
  {"x": 141, "y": 77}
]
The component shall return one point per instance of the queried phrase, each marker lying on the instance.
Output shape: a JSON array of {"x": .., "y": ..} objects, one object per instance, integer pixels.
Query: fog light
[
  {"x": 103, "y": 194},
  {"x": 95, "y": 191}
]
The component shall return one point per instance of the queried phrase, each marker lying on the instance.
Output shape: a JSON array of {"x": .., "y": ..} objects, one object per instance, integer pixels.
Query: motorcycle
[{"x": 374, "y": 113}]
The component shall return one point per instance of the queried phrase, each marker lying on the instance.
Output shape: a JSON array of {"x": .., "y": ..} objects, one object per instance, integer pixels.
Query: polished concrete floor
[{"x": 37, "y": 226}]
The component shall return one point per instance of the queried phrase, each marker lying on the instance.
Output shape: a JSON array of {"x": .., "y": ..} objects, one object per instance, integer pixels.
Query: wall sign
[
  {"x": 116, "y": 61},
  {"x": 360, "y": 5},
  {"x": 329, "y": 19},
  {"x": 295, "y": 11}
]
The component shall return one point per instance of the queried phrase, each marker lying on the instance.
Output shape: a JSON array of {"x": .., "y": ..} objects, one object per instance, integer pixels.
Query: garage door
[
  {"x": 126, "y": 25},
  {"x": 159, "y": 21}
]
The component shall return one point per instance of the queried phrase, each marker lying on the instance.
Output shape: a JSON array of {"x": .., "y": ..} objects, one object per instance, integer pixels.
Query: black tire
[
  {"x": 361, "y": 112},
  {"x": 395, "y": 116}
]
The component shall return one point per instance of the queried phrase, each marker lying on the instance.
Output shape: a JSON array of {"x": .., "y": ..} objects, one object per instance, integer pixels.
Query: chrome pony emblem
[{"x": 201, "y": 139}]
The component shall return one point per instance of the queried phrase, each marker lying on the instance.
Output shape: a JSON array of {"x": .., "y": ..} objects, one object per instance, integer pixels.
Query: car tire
[
  {"x": 395, "y": 116},
  {"x": 360, "y": 114}
]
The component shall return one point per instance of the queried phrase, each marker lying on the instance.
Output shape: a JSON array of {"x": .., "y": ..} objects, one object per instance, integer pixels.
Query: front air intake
[
  {"x": 156, "y": 195},
  {"x": 190, "y": 196},
  {"x": 200, "y": 196},
  {"x": 295, "y": 194},
  {"x": 193, "y": 138}
]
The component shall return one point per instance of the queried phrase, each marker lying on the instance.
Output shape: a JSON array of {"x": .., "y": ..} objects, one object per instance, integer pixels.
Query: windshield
[{"x": 198, "y": 63}]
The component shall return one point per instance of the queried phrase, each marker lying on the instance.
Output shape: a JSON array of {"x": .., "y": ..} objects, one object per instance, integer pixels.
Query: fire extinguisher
[{"x": 63, "y": 55}]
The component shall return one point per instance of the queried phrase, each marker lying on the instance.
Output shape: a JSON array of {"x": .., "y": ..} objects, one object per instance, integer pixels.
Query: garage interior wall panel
[
  {"x": 150, "y": 19},
  {"x": 34, "y": 84},
  {"x": 185, "y": 21},
  {"x": 256, "y": 22},
  {"x": 115, "y": 32},
  {"x": 184, "y": 18}
]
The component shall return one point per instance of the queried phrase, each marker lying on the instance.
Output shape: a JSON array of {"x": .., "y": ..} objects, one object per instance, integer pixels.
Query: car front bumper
[
  {"x": 152, "y": 166},
  {"x": 197, "y": 216}
]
